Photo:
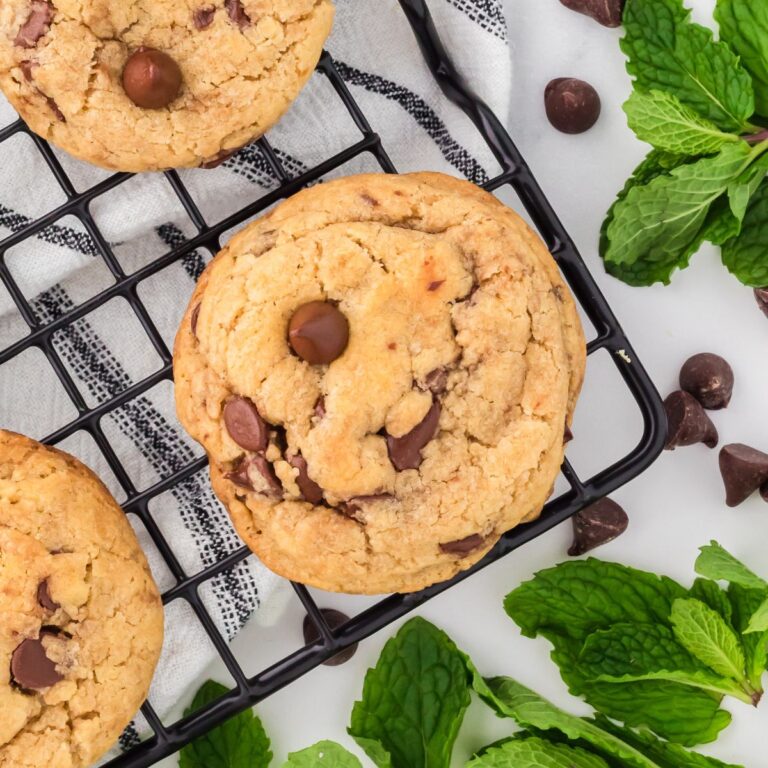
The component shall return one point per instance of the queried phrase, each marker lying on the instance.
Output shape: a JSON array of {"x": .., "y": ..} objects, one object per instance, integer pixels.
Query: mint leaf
[
  {"x": 413, "y": 700},
  {"x": 717, "y": 599},
  {"x": 658, "y": 225},
  {"x": 718, "y": 564},
  {"x": 745, "y": 603},
  {"x": 745, "y": 255},
  {"x": 535, "y": 752},
  {"x": 744, "y": 26},
  {"x": 759, "y": 619},
  {"x": 631, "y": 652},
  {"x": 662, "y": 120},
  {"x": 240, "y": 741},
  {"x": 669, "y": 53},
  {"x": 706, "y": 635},
  {"x": 324, "y": 753}
]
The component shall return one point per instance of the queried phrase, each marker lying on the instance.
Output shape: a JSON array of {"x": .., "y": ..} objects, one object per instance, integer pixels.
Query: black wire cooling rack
[{"x": 515, "y": 173}]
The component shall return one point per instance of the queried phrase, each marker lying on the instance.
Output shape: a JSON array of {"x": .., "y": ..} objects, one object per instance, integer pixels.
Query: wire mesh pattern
[{"x": 41, "y": 336}]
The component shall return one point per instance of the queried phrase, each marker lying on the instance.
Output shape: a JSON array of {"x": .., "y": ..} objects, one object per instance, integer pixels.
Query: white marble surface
[{"x": 675, "y": 506}]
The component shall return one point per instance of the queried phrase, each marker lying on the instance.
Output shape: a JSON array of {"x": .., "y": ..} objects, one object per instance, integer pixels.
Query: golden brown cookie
[
  {"x": 137, "y": 86},
  {"x": 81, "y": 623},
  {"x": 381, "y": 371}
]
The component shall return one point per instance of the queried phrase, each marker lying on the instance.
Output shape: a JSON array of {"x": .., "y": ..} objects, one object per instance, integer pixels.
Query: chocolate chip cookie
[
  {"x": 137, "y": 86},
  {"x": 381, "y": 371},
  {"x": 81, "y": 623}
]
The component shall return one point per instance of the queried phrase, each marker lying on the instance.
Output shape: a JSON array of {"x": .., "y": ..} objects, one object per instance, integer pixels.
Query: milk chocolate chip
[
  {"x": 405, "y": 451},
  {"x": 245, "y": 425},
  {"x": 463, "y": 547},
  {"x": 44, "y": 597},
  {"x": 573, "y": 106},
  {"x": 203, "y": 16},
  {"x": 151, "y": 78},
  {"x": 268, "y": 473},
  {"x": 709, "y": 379},
  {"x": 37, "y": 24},
  {"x": 744, "y": 470},
  {"x": 334, "y": 619},
  {"x": 31, "y": 669},
  {"x": 318, "y": 332},
  {"x": 239, "y": 475},
  {"x": 310, "y": 490},
  {"x": 596, "y": 525},
  {"x": 237, "y": 13},
  {"x": 687, "y": 422},
  {"x": 761, "y": 296},
  {"x": 605, "y": 12}
]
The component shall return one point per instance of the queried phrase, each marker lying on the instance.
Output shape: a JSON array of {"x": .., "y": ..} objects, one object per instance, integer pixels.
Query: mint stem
[{"x": 756, "y": 138}]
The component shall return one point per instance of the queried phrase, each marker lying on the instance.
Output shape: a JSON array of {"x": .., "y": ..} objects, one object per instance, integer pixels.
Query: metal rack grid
[{"x": 515, "y": 173}]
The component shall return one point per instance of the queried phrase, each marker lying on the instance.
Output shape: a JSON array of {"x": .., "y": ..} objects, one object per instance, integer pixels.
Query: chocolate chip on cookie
[
  {"x": 151, "y": 78},
  {"x": 203, "y": 16},
  {"x": 31, "y": 668},
  {"x": 44, "y": 597},
  {"x": 405, "y": 451},
  {"x": 334, "y": 619},
  {"x": 434, "y": 285},
  {"x": 436, "y": 381},
  {"x": 267, "y": 471},
  {"x": 463, "y": 547},
  {"x": 318, "y": 332},
  {"x": 310, "y": 490},
  {"x": 239, "y": 475},
  {"x": 237, "y": 13},
  {"x": 319, "y": 409},
  {"x": 194, "y": 318},
  {"x": 245, "y": 425},
  {"x": 37, "y": 24}
]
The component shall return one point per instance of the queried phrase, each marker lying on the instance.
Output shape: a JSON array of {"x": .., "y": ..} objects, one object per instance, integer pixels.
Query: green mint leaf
[
  {"x": 660, "y": 224},
  {"x": 413, "y": 700},
  {"x": 716, "y": 563},
  {"x": 324, "y": 753},
  {"x": 535, "y": 752},
  {"x": 709, "y": 592},
  {"x": 745, "y": 255},
  {"x": 668, "y": 52},
  {"x": 759, "y": 619},
  {"x": 706, "y": 635},
  {"x": 745, "y": 603},
  {"x": 744, "y": 26},
  {"x": 632, "y": 652},
  {"x": 240, "y": 742},
  {"x": 664, "y": 753},
  {"x": 662, "y": 120}
]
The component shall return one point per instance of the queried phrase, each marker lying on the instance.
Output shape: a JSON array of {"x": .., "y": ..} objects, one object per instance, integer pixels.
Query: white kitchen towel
[{"x": 106, "y": 351}]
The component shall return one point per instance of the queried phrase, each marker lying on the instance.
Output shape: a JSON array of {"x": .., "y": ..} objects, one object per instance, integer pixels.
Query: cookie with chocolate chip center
[{"x": 403, "y": 358}]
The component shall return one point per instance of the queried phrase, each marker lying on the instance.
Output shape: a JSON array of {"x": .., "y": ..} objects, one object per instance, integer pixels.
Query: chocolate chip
[
  {"x": 318, "y": 332},
  {"x": 27, "y": 68},
  {"x": 709, "y": 379},
  {"x": 310, "y": 490},
  {"x": 194, "y": 318},
  {"x": 31, "y": 669},
  {"x": 151, "y": 78},
  {"x": 744, "y": 470},
  {"x": 268, "y": 473},
  {"x": 405, "y": 451},
  {"x": 764, "y": 491},
  {"x": 54, "y": 107},
  {"x": 463, "y": 547},
  {"x": 37, "y": 24},
  {"x": 761, "y": 296},
  {"x": 44, "y": 597},
  {"x": 687, "y": 422},
  {"x": 356, "y": 503},
  {"x": 239, "y": 475},
  {"x": 203, "y": 17},
  {"x": 237, "y": 13},
  {"x": 219, "y": 159},
  {"x": 372, "y": 201},
  {"x": 567, "y": 435},
  {"x": 605, "y": 12},
  {"x": 245, "y": 425},
  {"x": 434, "y": 285},
  {"x": 572, "y": 105},
  {"x": 320, "y": 407},
  {"x": 436, "y": 381},
  {"x": 596, "y": 525},
  {"x": 334, "y": 619}
]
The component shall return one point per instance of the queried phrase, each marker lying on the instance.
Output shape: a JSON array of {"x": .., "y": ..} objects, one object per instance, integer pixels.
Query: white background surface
[{"x": 675, "y": 507}]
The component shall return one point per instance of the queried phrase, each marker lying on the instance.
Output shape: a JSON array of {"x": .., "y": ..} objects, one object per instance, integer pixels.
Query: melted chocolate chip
[
  {"x": 239, "y": 475},
  {"x": 237, "y": 13},
  {"x": 219, "y": 159},
  {"x": 761, "y": 296},
  {"x": 310, "y": 490},
  {"x": 434, "y": 285},
  {"x": 687, "y": 422},
  {"x": 268, "y": 473},
  {"x": 709, "y": 379},
  {"x": 605, "y": 12},
  {"x": 356, "y": 503},
  {"x": 318, "y": 332},
  {"x": 27, "y": 68},
  {"x": 37, "y": 24},
  {"x": 596, "y": 525},
  {"x": 567, "y": 435},
  {"x": 194, "y": 318},
  {"x": 405, "y": 451},
  {"x": 573, "y": 106},
  {"x": 245, "y": 425},
  {"x": 203, "y": 16},
  {"x": 54, "y": 107},
  {"x": 44, "y": 597},
  {"x": 334, "y": 619},
  {"x": 320, "y": 407},
  {"x": 31, "y": 669},
  {"x": 463, "y": 547},
  {"x": 744, "y": 470},
  {"x": 437, "y": 381},
  {"x": 151, "y": 78},
  {"x": 372, "y": 201}
]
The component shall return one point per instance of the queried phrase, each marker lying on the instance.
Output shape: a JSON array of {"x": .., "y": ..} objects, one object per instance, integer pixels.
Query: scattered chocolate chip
[
  {"x": 434, "y": 285},
  {"x": 31, "y": 669},
  {"x": 219, "y": 159},
  {"x": 237, "y": 13},
  {"x": 437, "y": 381},
  {"x": 744, "y": 470},
  {"x": 405, "y": 451},
  {"x": 318, "y": 332},
  {"x": 54, "y": 107},
  {"x": 463, "y": 547},
  {"x": 245, "y": 425},
  {"x": 573, "y": 106},
  {"x": 596, "y": 525},
  {"x": 27, "y": 68},
  {"x": 761, "y": 296},
  {"x": 334, "y": 619},
  {"x": 151, "y": 78},
  {"x": 44, "y": 597},
  {"x": 268, "y": 473},
  {"x": 356, "y": 503},
  {"x": 310, "y": 490},
  {"x": 687, "y": 422},
  {"x": 372, "y": 201},
  {"x": 37, "y": 24},
  {"x": 605, "y": 12},
  {"x": 320, "y": 407},
  {"x": 567, "y": 435},
  {"x": 709, "y": 379},
  {"x": 194, "y": 318},
  {"x": 203, "y": 16},
  {"x": 239, "y": 475}
]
